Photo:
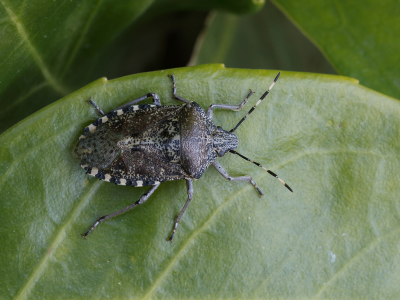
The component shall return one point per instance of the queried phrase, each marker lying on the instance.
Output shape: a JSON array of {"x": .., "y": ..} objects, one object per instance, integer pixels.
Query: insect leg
[
  {"x": 174, "y": 91},
  {"x": 226, "y": 175},
  {"x": 96, "y": 106},
  {"x": 156, "y": 100},
  {"x": 142, "y": 199},
  {"x": 189, "y": 187},
  {"x": 227, "y": 106},
  {"x": 257, "y": 103}
]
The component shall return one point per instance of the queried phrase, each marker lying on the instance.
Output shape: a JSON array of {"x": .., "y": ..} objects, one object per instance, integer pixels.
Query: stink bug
[{"x": 141, "y": 145}]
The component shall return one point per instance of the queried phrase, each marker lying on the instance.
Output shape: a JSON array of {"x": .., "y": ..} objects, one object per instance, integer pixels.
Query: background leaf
[
  {"x": 234, "y": 6},
  {"x": 266, "y": 40},
  {"x": 49, "y": 49},
  {"x": 360, "y": 38},
  {"x": 44, "y": 44},
  {"x": 333, "y": 141}
]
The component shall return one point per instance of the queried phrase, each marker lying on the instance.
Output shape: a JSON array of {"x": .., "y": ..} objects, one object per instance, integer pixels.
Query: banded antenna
[
  {"x": 258, "y": 165},
  {"x": 258, "y": 102},
  {"x": 244, "y": 118}
]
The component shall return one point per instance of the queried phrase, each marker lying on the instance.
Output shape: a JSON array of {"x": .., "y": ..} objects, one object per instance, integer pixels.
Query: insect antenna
[
  {"x": 258, "y": 102},
  {"x": 257, "y": 164}
]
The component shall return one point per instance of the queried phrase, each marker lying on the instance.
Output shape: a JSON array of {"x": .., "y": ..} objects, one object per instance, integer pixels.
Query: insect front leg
[
  {"x": 141, "y": 200},
  {"x": 99, "y": 110},
  {"x": 174, "y": 91},
  {"x": 226, "y": 175},
  {"x": 156, "y": 100},
  {"x": 227, "y": 106},
  {"x": 189, "y": 188}
]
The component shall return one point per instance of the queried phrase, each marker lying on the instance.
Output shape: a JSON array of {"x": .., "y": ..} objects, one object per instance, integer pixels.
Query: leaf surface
[
  {"x": 332, "y": 140},
  {"x": 266, "y": 40}
]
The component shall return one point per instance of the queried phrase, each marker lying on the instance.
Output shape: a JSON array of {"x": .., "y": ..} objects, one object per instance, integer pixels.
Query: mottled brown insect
[{"x": 141, "y": 145}]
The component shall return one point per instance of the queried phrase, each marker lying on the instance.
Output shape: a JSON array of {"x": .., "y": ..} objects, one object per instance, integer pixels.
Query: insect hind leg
[
  {"x": 189, "y": 188},
  {"x": 141, "y": 200},
  {"x": 179, "y": 98},
  {"x": 156, "y": 100},
  {"x": 100, "y": 111}
]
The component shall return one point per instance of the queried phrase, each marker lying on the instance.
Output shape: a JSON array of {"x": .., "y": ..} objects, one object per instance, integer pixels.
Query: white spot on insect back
[
  {"x": 152, "y": 105},
  {"x": 104, "y": 119},
  {"x": 92, "y": 128},
  {"x": 94, "y": 171},
  {"x": 120, "y": 112},
  {"x": 139, "y": 183},
  {"x": 156, "y": 182},
  {"x": 122, "y": 182},
  {"x": 135, "y": 107},
  {"x": 107, "y": 177}
]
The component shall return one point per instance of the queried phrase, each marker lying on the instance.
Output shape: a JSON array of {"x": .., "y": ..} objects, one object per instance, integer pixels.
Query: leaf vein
[
  {"x": 58, "y": 87},
  {"x": 59, "y": 237},
  {"x": 32, "y": 91},
  {"x": 81, "y": 37},
  {"x": 192, "y": 237}
]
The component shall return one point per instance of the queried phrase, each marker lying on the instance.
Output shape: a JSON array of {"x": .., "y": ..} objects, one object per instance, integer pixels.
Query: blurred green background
[{"x": 50, "y": 49}]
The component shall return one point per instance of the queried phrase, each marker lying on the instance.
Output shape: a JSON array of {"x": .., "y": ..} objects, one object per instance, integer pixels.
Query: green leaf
[
  {"x": 234, "y": 6},
  {"x": 51, "y": 48},
  {"x": 335, "y": 142},
  {"x": 360, "y": 38},
  {"x": 266, "y": 40}
]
